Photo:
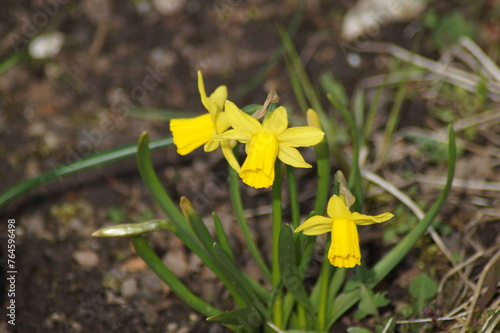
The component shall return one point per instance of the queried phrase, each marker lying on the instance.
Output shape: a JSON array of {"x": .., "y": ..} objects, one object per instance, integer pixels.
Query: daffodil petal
[
  {"x": 291, "y": 156},
  {"x": 277, "y": 122},
  {"x": 302, "y": 136},
  {"x": 211, "y": 145},
  {"x": 207, "y": 103},
  {"x": 361, "y": 219},
  {"x": 219, "y": 97},
  {"x": 316, "y": 225},
  {"x": 344, "y": 247},
  {"x": 229, "y": 155},
  {"x": 240, "y": 120},
  {"x": 221, "y": 122},
  {"x": 233, "y": 134},
  {"x": 189, "y": 134},
  {"x": 258, "y": 169},
  {"x": 337, "y": 208}
]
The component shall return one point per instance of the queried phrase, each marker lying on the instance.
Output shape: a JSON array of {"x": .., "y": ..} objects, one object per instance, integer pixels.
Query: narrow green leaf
[
  {"x": 240, "y": 317},
  {"x": 354, "y": 173},
  {"x": 369, "y": 302},
  {"x": 277, "y": 223},
  {"x": 207, "y": 241},
  {"x": 392, "y": 122},
  {"x": 197, "y": 225},
  {"x": 251, "y": 108},
  {"x": 221, "y": 236},
  {"x": 323, "y": 289},
  {"x": 238, "y": 280},
  {"x": 184, "y": 231},
  {"x": 332, "y": 86},
  {"x": 358, "y": 330},
  {"x": 92, "y": 161},
  {"x": 290, "y": 275},
  {"x": 324, "y": 176},
  {"x": 294, "y": 196},
  {"x": 134, "y": 229},
  {"x": 368, "y": 123},
  {"x": 305, "y": 82},
  {"x": 149, "y": 256},
  {"x": 235, "y": 194},
  {"x": 343, "y": 302},
  {"x": 12, "y": 61},
  {"x": 391, "y": 259},
  {"x": 336, "y": 283},
  {"x": 156, "y": 189}
]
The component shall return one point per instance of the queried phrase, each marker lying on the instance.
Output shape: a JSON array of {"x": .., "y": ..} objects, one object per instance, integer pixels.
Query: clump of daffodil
[
  {"x": 267, "y": 141},
  {"x": 344, "y": 248},
  {"x": 191, "y": 133}
]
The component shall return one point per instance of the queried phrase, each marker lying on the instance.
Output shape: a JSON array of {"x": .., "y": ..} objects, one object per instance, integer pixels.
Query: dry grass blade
[{"x": 444, "y": 71}]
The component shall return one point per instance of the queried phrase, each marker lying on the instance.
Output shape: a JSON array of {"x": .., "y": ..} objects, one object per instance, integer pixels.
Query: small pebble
[
  {"x": 86, "y": 258},
  {"x": 129, "y": 288},
  {"x": 193, "y": 317},
  {"x": 172, "y": 327},
  {"x": 46, "y": 45}
]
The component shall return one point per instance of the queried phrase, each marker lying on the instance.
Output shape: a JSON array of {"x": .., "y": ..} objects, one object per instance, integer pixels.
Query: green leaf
[
  {"x": 358, "y": 330},
  {"x": 331, "y": 86},
  {"x": 369, "y": 303},
  {"x": 422, "y": 289},
  {"x": 197, "y": 225},
  {"x": 248, "y": 317},
  {"x": 251, "y": 108},
  {"x": 134, "y": 229},
  {"x": 221, "y": 236},
  {"x": 237, "y": 279},
  {"x": 226, "y": 266},
  {"x": 290, "y": 275},
  {"x": 156, "y": 189},
  {"x": 398, "y": 252},
  {"x": 237, "y": 202},
  {"x": 354, "y": 172},
  {"x": 158, "y": 267},
  {"x": 451, "y": 27},
  {"x": 92, "y": 161}
]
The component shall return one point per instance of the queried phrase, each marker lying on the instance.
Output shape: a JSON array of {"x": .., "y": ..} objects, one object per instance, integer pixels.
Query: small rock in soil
[
  {"x": 86, "y": 258},
  {"x": 129, "y": 288}
]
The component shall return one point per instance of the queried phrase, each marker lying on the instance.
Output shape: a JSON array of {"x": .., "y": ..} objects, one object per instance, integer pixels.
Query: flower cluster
[
  {"x": 225, "y": 125},
  {"x": 264, "y": 142}
]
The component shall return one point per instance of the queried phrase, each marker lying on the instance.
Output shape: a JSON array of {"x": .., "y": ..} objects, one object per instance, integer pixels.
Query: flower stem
[
  {"x": 242, "y": 222},
  {"x": 276, "y": 229},
  {"x": 294, "y": 196},
  {"x": 323, "y": 294}
]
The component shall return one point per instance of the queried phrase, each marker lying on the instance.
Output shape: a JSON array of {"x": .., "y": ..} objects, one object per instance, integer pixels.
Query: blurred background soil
[{"x": 121, "y": 56}]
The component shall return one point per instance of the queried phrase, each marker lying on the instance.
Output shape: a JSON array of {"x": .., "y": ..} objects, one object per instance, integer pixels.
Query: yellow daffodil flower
[
  {"x": 267, "y": 141},
  {"x": 344, "y": 248},
  {"x": 191, "y": 133}
]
